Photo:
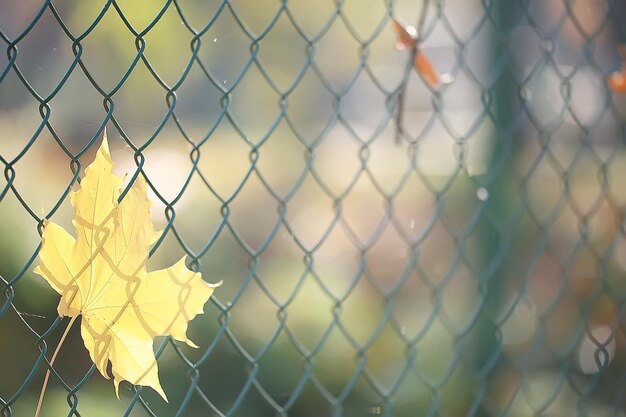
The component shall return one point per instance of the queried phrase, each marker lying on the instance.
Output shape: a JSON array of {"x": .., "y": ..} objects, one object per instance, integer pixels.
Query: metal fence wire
[{"x": 389, "y": 245}]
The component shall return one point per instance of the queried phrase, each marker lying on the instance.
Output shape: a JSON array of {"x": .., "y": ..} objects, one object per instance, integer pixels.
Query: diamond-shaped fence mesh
[{"x": 387, "y": 246}]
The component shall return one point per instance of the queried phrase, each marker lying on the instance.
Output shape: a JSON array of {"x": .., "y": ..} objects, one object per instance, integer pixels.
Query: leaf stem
[{"x": 54, "y": 356}]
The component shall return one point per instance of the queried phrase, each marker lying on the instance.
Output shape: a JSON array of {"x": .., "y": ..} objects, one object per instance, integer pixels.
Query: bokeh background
[{"x": 473, "y": 267}]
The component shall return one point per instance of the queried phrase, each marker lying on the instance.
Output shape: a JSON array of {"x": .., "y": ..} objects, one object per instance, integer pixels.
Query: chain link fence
[{"x": 388, "y": 246}]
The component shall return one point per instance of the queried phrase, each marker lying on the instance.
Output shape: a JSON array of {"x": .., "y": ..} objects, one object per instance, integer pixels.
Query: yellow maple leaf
[{"x": 101, "y": 275}]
